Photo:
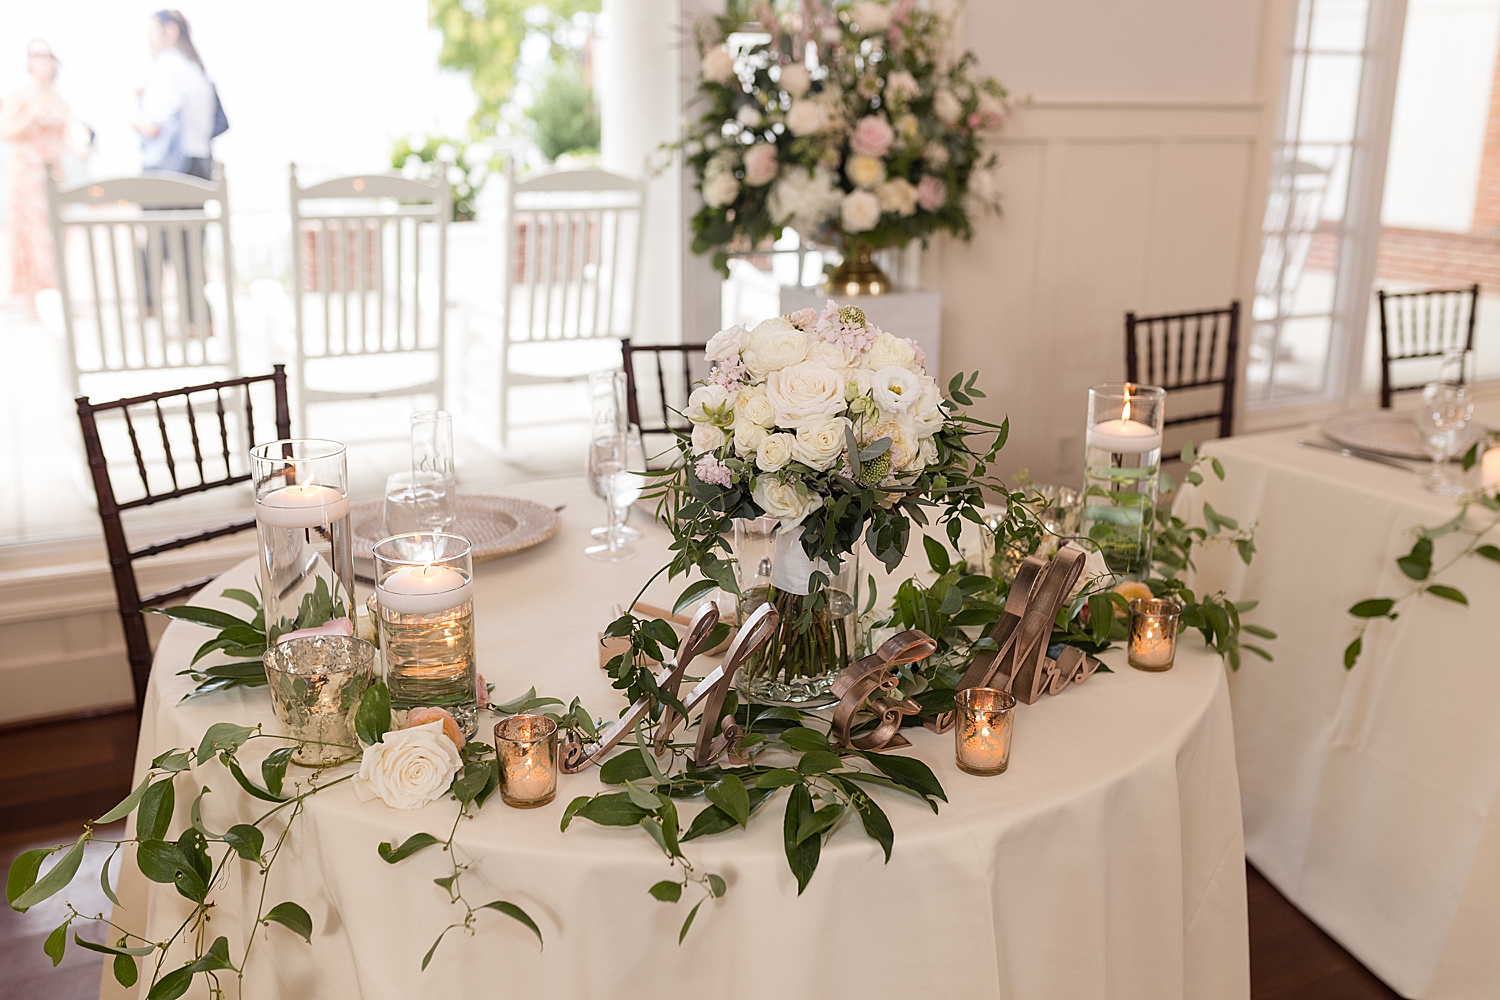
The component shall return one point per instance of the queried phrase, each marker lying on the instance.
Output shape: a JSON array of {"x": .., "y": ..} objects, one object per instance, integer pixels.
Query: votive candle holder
[
  {"x": 981, "y": 737},
  {"x": 1153, "y": 633},
  {"x": 316, "y": 682},
  {"x": 527, "y": 748}
]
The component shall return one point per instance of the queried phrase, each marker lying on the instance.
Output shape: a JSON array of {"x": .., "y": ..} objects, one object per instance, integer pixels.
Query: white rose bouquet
[{"x": 842, "y": 120}]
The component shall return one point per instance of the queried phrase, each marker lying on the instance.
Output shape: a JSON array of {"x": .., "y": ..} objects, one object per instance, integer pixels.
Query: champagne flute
[
  {"x": 432, "y": 451},
  {"x": 608, "y": 469},
  {"x": 416, "y": 501},
  {"x": 630, "y": 485}
]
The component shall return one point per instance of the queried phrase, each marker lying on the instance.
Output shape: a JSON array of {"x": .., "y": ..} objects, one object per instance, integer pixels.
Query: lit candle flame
[{"x": 1125, "y": 416}]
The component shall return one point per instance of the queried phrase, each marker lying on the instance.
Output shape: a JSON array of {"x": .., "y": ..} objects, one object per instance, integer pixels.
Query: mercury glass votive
[
  {"x": 1153, "y": 633},
  {"x": 424, "y": 583},
  {"x": 316, "y": 682},
  {"x": 981, "y": 737},
  {"x": 527, "y": 748}
]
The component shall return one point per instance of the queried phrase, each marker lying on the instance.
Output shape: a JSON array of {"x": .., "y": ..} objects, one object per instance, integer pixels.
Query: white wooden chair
[
  {"x": 368, "y": 317},
  {"x": 145, "y": 275},
  {"x": 573, "y": 243}
]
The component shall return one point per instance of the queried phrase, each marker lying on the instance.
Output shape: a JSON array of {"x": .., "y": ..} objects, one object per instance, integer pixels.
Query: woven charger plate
[
  {"x": 494, "y": 526},
  {"x": 1387, "y": 432}
]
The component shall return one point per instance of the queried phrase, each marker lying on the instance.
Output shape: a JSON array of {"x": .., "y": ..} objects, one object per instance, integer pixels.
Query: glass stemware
[
  {"x": 1442, "y": 418},
  {"x": 611, "y": 476},
  {"x": 432, "y": 451},
  {"x": 417, "y": 501}
]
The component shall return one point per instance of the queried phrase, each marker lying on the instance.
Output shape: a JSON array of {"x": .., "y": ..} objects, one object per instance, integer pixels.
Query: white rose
[
  {"x": 752, "y": 407},
  {"x": 860, "y": 381},
  {"x": 788, "y": 502},
  {"x": 805, "y": 394},
  {"x": 928, "y": 410},
  {"x": 717, "y": 65},
  {"x": 408, "y": 768},
  {"x": 890, "y": 350},
  {"x": 707, "y": 438},
  {"x": 864, "y": 171},
  {"x": 827, "y": 353},
  {"x": 936, "y": 155},
  {"x": 774, "y": 452},
  {"x": 860, "y": 212},
  {"x": 725, "y": 346},
  {"x": 720, "y": 189},
  {"x": 870, "y": 16},
  {"x": 927, "y": 452},
  {"x": 896, "y": 389},
  {"x": 708, "y": 403},
  {"x": 774, "y": 344},
  {"x": 804, "y": 200},
  {"x": 899, "y": 196},
  {"x": 747, "y": 438},
  {"x": 749, "y": 116},
  {"x": 947, "y": 107},
  {"x": 807, "y": 117},
  {"x": 795, "y": 79},
  {"x": 904, "y": 443},
  {"x": 901, "y": 85},
  {"x": 820, "y": 447}
]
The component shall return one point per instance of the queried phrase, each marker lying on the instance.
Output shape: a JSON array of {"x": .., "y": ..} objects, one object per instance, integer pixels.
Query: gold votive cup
[
  {"x": 981, "y": 738},
  {"x": 316, "y": 682},
  {"x": 527, "y": 748},
  {"x": 1153, "y": 633}
]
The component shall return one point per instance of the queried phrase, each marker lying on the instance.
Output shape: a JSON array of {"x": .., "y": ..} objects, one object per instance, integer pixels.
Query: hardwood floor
[{"x": 59, "y": 774}]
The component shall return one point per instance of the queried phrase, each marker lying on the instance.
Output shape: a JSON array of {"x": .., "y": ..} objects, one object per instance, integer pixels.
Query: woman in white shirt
[{"x": 178, "y": 105}]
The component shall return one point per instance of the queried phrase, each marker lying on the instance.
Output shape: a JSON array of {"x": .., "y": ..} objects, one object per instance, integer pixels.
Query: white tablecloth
[
  {"x": 1369, "y": 795},
  {"x": 1108, "y": 862}
]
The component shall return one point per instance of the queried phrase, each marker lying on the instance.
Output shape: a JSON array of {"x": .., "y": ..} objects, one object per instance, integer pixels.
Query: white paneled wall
[{"x": 1108, "y": 208}]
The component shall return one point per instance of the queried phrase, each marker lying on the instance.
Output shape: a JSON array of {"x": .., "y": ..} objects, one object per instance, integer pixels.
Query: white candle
[
  {"x": 1123, "y": 436},
  {"x": 1489, "y": 469},
  {"x": 305, "y": 505},
  {"x": 423, "y": 590}
]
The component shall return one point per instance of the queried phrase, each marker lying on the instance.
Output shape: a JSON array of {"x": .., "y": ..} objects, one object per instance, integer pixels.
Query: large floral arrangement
[{"x": 842, "y": 120}]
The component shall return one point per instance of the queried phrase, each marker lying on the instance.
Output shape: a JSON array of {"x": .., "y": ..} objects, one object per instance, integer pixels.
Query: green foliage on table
[
  {"x": 1417, "y": 564},
  {"x": 563, "y": 113}
]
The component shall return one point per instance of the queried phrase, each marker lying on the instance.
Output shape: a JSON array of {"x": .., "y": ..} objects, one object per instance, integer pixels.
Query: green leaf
[
  {"x": 572, "y": 810},
  {"x": 1447, "y": 593},
  {"x": 173, "y": 761},
  {"x": 57, "y": 942},
  {"x": 23, "y": 873},
  {"x": 412, "y": 845},
  {"x": 192, "y": 880},
  {"x": 1101, "y": 617},
  {"x": 155, "y": 815},
  {"x": 641, "y": 797},
  {"x": 173, "y": 985},
  {"x": 125, "y": 971},
  {"x": 1417, "y": 563},
  {"x": 1352, "y": 651},
  {"x": 717, "y": 886},
  {"x": 728, "y": 793},
  {"x": 937, "y": 555},
  {"x": 686, "y": 924},
  {"x": 243, "y": 596},
  {"x": 628, "y": 765},
  {"x": 515, "y": 913},
  {"x": 1189, "y": 456},
  {"x": 125, "y": 807},
  {"x": 433, "y": 950},
  {"x": 372, "y": 720},
  {"x": 1218, "y": 468},
  {"x": 294, "y": 918},
  {"x": 107, "y": 949},
  {"x": 104, "y": 885},
  {"x": 216, "y": 958},
  {"x": 1488, "y": 552},
  {"x": 246, "y": 840},
  {"x": 199, "y": 616},
  {"x": 223, "y": 736},
  {"x": 802, "y": 738},
  {"x": 819, "y": 762},
  {"x": 1471, "y": 456},
  {"x": 708, "y": 822},
  {"x": 909, "y": 773},
  {"x": 1374, "y": 607},
  {"x": 694, "y": 593},
  {"x": 612, "y": 809},
  {"x": 273, "y": 768},
  {"x": 1259, "y": 630},
  {"x": 819, "y": 821},
  {"x": 159, "y": 860},
  {"x": 667, "y": 891},
  {"x": 801, "y": 855},
  {"x": 874, "y": 819},
  {"x": 56, "y": 878},
  {"x": 248, "y": 785}
]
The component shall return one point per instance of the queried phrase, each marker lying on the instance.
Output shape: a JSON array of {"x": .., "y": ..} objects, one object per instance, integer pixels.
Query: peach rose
[{"x": 421, "y": 716}]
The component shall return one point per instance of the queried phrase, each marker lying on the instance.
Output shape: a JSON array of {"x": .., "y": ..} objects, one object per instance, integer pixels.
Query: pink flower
[
  {"x": 921, "y": 355},
  {"x": 760, "y": 164},
  {"x": 711, "y": 470},
  {"x": 872, "y": 136},
  {"x": 336, "y": 626},
  {"x": 482, "y": 695},
  {"x": 975, "y": 120},
  {"x": 931, "y": 193},
  {"x": 421, "y": 716},
  {"x": 803, "y": 319}
]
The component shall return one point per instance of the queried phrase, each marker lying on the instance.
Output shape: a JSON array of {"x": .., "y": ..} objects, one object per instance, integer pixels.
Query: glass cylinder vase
[
  {"x": 1121, "y": 469},
  {"x": 303, "y": 528},
  {"x": 817, "y": 635},
  {"x": 424, "y": 584}
]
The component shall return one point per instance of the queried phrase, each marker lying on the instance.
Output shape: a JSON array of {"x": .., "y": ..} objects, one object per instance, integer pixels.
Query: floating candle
[
  {"x": 1489, "y": 469},
  {"x": 305, "y": 505},
  {"x": 423, "y": 590},
  {"x": 1123, "y": 436}
]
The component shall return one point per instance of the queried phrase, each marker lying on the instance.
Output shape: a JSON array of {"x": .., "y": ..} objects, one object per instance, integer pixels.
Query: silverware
[{"x": 1368, "y": 456}]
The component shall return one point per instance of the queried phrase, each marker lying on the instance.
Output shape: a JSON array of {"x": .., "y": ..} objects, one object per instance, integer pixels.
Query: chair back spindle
[
  {"x": 669, "y": 378},
  {"x": 1422, "y": 325},
  {"x": 1187, "y": 351}
]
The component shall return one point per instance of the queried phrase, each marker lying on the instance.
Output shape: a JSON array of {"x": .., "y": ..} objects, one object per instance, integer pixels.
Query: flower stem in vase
[{"x": 811, "y": 645}]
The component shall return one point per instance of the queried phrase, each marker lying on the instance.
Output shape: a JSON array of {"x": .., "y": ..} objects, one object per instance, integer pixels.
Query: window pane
[
  {"x": 1331, "y": 98},
  {"x": 1339, "y": 25}
]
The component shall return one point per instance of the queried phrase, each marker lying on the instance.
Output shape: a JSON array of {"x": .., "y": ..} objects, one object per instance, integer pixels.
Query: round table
[{"x": 1108, "y": 861}]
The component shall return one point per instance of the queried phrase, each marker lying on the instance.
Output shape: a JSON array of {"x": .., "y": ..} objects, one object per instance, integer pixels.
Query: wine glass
[
  {"x": 416, "y": 501},
  {"x": 432, "y": 451},
  {"x": 610, "y": 476},
  {"x": 630, "y": 485},
  {"x": 1442, "y": 419}
]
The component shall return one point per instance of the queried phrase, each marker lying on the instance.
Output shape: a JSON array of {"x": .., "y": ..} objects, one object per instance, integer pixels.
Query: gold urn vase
[{"x": 857, "y": 275}]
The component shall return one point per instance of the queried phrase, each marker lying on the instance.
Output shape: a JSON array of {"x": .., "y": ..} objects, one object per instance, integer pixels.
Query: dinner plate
[
  {"x": 495, "y": 526},
  {"x": 1387, "y": 432}
]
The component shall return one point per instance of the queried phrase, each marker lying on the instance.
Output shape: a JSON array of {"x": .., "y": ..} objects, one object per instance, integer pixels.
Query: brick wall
[{"x": 1422, "y": 256}]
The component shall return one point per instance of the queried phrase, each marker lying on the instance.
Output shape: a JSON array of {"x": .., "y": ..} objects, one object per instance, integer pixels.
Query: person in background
[
  {"x": 178, "y": 106},
  {"x": 34, "y": 118}
]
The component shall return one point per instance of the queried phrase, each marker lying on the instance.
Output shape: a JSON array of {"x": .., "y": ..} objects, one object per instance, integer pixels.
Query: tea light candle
[
  {"x": 1153, "y": 634},
  {"x": 527, "y": 748},
  {"x": 1123, "y": 436},
  {"x": 304, "y": 505},
  {"x": 1489, "y": 469},
  {"x": 423, "y": 590},
  {"x": 981, "y": 742}
]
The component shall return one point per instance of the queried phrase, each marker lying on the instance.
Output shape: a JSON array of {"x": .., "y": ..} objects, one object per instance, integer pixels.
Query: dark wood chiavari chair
[
  {"x": 1426, "y": 324},
  {"x": 669, "y": 404},
  {"x": 1187, "y": 351},
  {"x": 121, "y": 556}
]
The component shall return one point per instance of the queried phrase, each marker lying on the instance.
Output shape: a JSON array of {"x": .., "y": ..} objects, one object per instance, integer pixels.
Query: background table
[
  {"x": 1369, "y": 795},
  {"x": 1108, "y": 861}
]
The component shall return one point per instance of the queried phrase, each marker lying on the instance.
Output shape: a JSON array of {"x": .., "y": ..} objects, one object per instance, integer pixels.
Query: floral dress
[{"x": 40, "y": 141}]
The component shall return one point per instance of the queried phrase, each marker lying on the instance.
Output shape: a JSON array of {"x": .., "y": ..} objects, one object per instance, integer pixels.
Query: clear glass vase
[{"x": 817, "y": 635}]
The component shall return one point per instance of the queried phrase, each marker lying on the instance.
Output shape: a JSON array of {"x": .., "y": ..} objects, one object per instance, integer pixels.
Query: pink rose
[
  {"x": 931, "y": 193},
  {"x": 420, "y": 716},
  {"x": 337, "y": 626},
  {"x": 482, "y": 692},
  {"x": 760, "y": 164},
  {"x": 872, "y": 136}
]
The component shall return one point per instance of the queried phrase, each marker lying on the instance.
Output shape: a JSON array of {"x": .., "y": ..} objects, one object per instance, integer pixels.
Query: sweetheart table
[
  {"x": 1108, "y": 861},
  {"x": 1372, "y": 795}
]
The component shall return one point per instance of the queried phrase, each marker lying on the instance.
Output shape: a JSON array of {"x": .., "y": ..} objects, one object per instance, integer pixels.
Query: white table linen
[
  {"x": 1108, "y": 861},
  {"x": 1369, "y": 795}
]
